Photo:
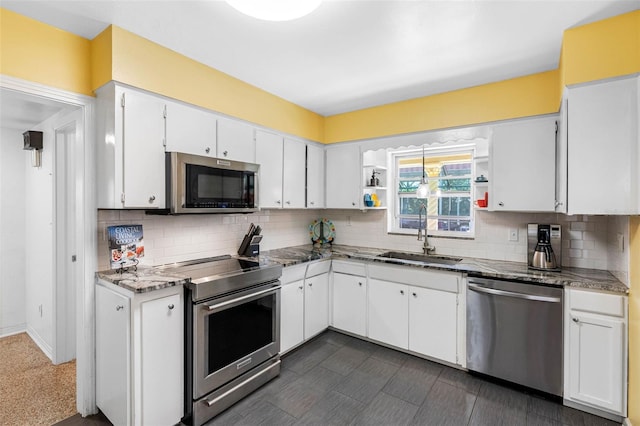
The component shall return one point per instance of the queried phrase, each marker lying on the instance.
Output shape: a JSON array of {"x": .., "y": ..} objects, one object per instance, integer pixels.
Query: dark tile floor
[{"x": 339, "y": 380}]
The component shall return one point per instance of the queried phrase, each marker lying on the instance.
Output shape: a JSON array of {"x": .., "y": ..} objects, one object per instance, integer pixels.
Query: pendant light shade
[
  {"x": 275, "y": 10},
  {"x": 423, "y": 188}
]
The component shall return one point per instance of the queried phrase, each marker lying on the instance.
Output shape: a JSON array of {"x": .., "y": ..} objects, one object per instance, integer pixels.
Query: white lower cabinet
[
  {"x": 140, "y": 355},
  {"x": 349, "y": 299},
  {"x": 304, "y": 303},
  {"x": 388, "y": 313},
  {"x": 595, "y": 348},
  {"x": 433, "y": 323}
]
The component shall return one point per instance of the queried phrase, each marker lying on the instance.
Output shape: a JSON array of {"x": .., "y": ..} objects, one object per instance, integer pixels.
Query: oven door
[{"x": 233, "y": 334}]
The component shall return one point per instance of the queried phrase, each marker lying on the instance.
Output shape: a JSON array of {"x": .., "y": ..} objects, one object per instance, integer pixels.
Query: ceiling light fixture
[
  {"x": 275, "y": 10},
  {"x": 423, "y": 188}
]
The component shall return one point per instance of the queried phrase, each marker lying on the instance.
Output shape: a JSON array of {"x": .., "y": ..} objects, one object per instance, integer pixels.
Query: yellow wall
[
  {"x": 519, "y": 97},
  {"x": 142, "y": 63},
  {"x": 634, "y": 321},
  {"x": 603, "y": 49},
  {"x": 44, "y": 54}
]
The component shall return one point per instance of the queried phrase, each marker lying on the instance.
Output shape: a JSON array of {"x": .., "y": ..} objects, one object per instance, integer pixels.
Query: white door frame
[{"x": 85, "y": 230}]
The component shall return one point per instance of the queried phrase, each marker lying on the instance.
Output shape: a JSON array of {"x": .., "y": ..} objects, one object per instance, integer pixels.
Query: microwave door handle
[{"x": 240, "y": 299}]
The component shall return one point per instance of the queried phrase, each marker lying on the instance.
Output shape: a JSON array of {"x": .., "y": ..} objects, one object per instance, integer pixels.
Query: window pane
[
  {"x": 410, "y": 206},
  {"x": 409, "y": 223},
  {"x": 459, "y": 225},
  {"x": 454, "y": 206},
  {"x": 454, "y": 185},
  {"x": 408, "y": 185}
]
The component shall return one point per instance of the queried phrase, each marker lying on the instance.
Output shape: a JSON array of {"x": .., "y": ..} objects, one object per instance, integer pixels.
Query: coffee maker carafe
[{"x": 544, "y": 244}]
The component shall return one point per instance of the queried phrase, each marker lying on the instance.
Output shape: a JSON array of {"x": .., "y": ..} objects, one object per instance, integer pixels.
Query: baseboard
[
  {"x": 14, "y": 329},
  {"x": 627, "y": 422},
  {"x": 44, "y": 347},
  {"x": 615, "y": 417}
]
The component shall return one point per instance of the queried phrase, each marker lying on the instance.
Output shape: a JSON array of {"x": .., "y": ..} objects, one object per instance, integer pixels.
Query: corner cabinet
[
  {"x": 139, "y": 355},
  {"x": 343, "y": 177},
  {"x": 131, "y": 132},
  {"x": 595, "y": 357},
  {"x": 522, "y": 165},
  {"x": 603, "y": 153}
]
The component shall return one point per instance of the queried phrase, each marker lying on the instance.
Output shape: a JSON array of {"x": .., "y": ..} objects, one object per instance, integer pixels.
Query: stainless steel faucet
[{"x": 426, "y": 248}]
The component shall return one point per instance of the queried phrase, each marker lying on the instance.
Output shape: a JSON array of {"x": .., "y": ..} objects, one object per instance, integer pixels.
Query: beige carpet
[{"x": 33, "y": 391}]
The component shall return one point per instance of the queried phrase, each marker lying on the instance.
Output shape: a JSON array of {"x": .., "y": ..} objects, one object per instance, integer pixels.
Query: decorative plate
[{"x": 322, "y": 231}]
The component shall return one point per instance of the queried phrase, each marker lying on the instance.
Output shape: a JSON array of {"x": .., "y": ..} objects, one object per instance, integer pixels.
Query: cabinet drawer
[
  {"x": 350, "y": 268},
  {"x": 588, "y": 301},
  {"x": 293, "y": 273},
  {"x": 416, "y": 276},
  {"x": 317, "y": 268}
]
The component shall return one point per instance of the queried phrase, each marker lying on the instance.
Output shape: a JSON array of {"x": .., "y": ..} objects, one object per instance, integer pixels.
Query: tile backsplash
[{"x": 588, "y": 241}]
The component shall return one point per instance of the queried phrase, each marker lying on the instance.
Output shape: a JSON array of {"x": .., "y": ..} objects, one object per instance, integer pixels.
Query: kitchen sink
[{"x": 425, "y": 258}]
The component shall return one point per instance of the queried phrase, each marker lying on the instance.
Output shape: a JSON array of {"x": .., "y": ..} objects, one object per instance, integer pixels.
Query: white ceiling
[
  {"x": 348, "y": 55},
  {"x": 21, "y": 111}
]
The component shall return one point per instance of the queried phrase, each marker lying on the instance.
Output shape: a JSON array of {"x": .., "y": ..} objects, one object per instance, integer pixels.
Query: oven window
[{"x": 239, "y": 331}]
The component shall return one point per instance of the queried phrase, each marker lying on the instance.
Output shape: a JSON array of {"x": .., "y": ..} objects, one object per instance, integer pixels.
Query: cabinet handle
[
  {"x": 574, "y": 319},
  {"x": 225, "y": 153},
  {"x": 301, "y": 287},
  {"x": 278, "y": 202},
  {"x": 207, "y": 150},
  {"x": 353, "y": 204},
  {"x": 288, "y": 202},
  {"x": 171, "y": 306},
  {"x": 310, "y": 284},
  {"x": 360, "y": 284},
  {"x": 311, "y": 202},
  {"x": 414, "y": 295},
  {"x": 401, "y": 291},
  {"x": 501, "y": 204},
  {"x": 119, "y": 307},
  {"x": 152, "y": 198}
]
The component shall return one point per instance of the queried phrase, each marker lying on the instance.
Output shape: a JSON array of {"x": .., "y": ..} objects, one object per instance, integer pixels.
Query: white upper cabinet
[
  {"x": 523, "y": 165},
  {"x": 131, "y": 169},
  {"x": 294, "y": 177},
  {"x": 190, "y": 130},
  {"x": 236, "y": 141},
  {"x": 315, "y": 177},
  {"x": 269, "y": 147},
  {"x": 343, "y": 177},
  {"x": 603, "y": 151}
]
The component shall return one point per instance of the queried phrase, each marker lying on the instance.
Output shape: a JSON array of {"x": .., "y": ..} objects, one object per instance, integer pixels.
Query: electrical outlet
[
  {"x": 513, "y": 234},
  {"x": 620, "y": 238},
  {"x": 348, "y": 220}
]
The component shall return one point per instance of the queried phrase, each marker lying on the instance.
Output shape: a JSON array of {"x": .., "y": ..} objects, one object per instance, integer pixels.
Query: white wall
[
  {"x": 38, "y": 214},
  {"x": 586, "y": 239},
  {"x": 12, "y": 228}
]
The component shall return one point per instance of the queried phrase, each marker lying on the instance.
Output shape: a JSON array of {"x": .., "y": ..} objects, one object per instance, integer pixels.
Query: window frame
[{"x": 393, "y": 222}]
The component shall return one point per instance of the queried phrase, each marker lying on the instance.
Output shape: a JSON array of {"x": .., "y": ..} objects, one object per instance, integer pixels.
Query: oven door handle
[
  {"x": 480, "y": 289},
  {"x": 240, "y": 299},
  {"x": 213, "y": 401}
]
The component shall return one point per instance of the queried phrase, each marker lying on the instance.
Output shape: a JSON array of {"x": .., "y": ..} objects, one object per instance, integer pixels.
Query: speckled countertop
[
  {"x": 592, "y": 279},
  {"x": 142, "y": 279},
  {"x": 151, "y": 278}
]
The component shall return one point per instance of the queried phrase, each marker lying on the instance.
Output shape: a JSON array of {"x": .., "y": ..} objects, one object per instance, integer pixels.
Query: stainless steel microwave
[{"x": 198, "y": 184}]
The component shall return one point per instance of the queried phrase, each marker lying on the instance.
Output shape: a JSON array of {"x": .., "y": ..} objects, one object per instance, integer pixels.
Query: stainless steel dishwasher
[{"x": 514, "y": 332}]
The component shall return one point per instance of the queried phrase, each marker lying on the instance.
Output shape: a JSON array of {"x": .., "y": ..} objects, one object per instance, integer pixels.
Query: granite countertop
[
  {"x": 592, "y": 279},
  {"x": 143, "y": 278}
]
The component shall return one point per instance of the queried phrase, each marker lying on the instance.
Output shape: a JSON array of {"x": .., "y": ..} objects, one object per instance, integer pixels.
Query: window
[{"x": 448, "y": 206}]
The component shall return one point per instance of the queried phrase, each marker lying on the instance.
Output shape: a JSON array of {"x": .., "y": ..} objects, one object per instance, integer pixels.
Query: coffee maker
[{"x": 544, "y": 246}]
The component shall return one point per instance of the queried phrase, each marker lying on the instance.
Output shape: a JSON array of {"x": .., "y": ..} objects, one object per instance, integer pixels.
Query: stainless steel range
[{"x": 232, "y": 332}]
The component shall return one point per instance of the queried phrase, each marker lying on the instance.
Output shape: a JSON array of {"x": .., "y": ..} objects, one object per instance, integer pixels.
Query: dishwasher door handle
[{"x": 480, "y": 289}]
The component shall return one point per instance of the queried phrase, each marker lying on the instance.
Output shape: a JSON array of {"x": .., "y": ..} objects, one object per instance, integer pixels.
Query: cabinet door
[
  {"x": 561, "y": 159},
  {"x": 269, "y": 155},
  {"x": 343, "y": 177},
  {"x": 315, "y": 177},
  {"x": 603, "y": 148},
  {"x": 294, "y": 174},
  {"x": 433, "y": 323},
  {"x": 235, "y": 141},
  {"x": 190, "y": 130},
  {"x": 596, "y": 360},
  {"x": 523, "y": 166},
  {"x": 350, "y": 303},
  {"x": 113, "y": 355},
  {"x": 162, "y": 334},
  {"x": 316, "y": 305},
  {"x": 388, "y": 316},
  {"x": 292, "y": 315},
  {"x": 143, "y": 144}
]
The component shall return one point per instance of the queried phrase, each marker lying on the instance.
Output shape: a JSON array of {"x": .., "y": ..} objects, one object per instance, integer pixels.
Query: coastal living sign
[{"x": 126, "y": 245}]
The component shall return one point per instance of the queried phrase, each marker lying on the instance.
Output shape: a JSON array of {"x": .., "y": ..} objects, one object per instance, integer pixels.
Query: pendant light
[
  {"x": 423, "y": 188},
  {"x": 275, "y": 10}
]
